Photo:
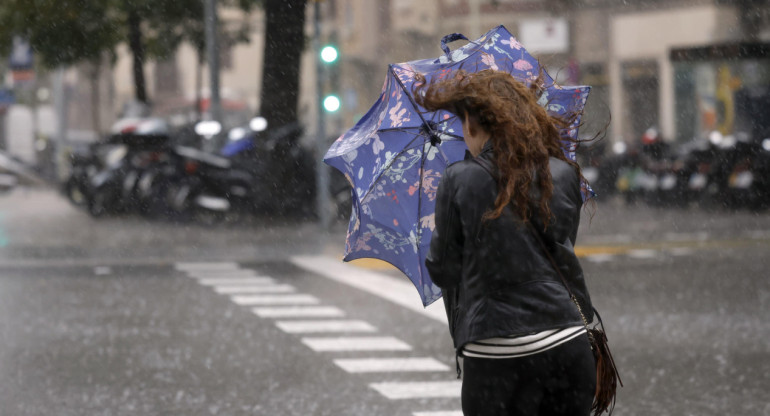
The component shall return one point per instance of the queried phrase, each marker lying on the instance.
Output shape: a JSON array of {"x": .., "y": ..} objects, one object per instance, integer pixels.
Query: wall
[{"x": 650, "y": 36}]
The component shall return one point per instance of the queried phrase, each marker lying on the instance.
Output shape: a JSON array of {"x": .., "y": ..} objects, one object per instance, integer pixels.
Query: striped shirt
[{"x": 520, "y": 346}]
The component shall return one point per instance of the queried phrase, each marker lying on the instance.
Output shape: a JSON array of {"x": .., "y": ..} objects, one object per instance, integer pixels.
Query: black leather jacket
[{"x": 495, "y": 276}]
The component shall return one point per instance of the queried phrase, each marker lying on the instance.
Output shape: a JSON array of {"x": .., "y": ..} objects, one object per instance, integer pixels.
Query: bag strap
[{"x": 487, "y": 165}]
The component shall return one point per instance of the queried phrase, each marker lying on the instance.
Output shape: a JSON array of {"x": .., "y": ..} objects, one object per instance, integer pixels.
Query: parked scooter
[
  {"x": 211, "y": 187},
  {"x": 108, "y": 177},
  {"x": 760, "y": 170},
  {"x": 84, "y": 164}
]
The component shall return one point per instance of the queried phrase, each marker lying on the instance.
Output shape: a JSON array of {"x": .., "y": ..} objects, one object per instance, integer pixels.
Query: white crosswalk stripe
[
  {"x": 224, "y": 275},
  {"x": 298, "y": 312},
  {"x": 262, "y": 288},
  {"x": 248, "y": 300},
  {"x": 206, "y": 266},
  {"x": 237, "y": 281},
  {"x": 348, "y": 325},
  {"x": 440, "y": 413},
  {"x": 384, "y": 365},
  {"x": 356, "y": 344},
  {"x": 418, "y": 389}
]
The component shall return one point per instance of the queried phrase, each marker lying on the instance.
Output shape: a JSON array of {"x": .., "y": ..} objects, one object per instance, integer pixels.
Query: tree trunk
[
  {"x": 284, "y": 42},
  {"x": 290, "y": 181},
  {"x": 137, "y": 49}
]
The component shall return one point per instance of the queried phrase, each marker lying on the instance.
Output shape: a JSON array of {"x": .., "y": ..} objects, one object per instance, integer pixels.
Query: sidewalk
[{"x": 39, "y": 225}]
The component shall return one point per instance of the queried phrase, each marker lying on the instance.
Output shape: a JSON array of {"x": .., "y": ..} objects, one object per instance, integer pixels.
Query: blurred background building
[
  {"x": 633, "y": 54},
  {"x": 674, "y": 64}
]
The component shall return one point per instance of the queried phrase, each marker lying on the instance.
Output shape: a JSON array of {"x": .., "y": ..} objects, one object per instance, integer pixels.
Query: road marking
[
  {"x": 249, "y": 300},
  {"x": 399, "y": 291},
  {"x": 600, "y": 258},
  {"x": 609, "y": 239},
  {"x": 418, "y": 389},
  {"x": 357, "y": 344},
  {"x": 587, "y": 251},
  {"x": 347, "y": 325},
  {"x": 681, "y": 251},
  {"x": 298, "y": 312},
  {"x": 440, "y": 413},
  {"x": 191, "y": 267},
  {"x": 225, "y": 274},
  {"x": 697, "y": 236},
  {"x": 237, "y": 281},
  {"x": 758, "y": 234},
  {"x": 643, "y": 254},
  {"x": 383, "y": 365},
  {"x": 102, "y": 271},
  {"x": 261, "y": 288}
]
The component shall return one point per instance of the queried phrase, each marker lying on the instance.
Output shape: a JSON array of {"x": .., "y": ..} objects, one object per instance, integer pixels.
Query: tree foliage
[
  {"x": 60, "y": 32},
  {"x": 67, "y": 32}
]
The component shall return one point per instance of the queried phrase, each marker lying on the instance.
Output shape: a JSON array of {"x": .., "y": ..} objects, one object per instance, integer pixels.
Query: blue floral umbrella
[{"x": 395, "y": 155}]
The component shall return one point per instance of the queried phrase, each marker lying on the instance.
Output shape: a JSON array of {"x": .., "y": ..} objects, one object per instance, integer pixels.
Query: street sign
[{"x": 21, "y": 55}]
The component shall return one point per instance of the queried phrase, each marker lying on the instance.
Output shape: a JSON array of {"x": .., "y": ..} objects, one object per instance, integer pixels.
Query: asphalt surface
[{"x": 98, "y": 317}]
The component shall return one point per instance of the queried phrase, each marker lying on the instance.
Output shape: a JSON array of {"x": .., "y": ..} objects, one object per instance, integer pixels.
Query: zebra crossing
[{"x": 326, "y": 329}]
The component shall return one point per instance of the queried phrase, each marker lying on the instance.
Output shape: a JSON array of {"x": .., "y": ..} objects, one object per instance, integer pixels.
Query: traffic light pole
[{"x": 322, "y": 171}]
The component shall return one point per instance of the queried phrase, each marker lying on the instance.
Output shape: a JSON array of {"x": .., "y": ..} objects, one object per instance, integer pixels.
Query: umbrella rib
[
  {"x": 453, "y": 135},
  {"x": 401, "y": 129},
  {"x": 411, "y": 99},
  {"x": 416, "y": 107},
  {"x": 390, "y": 163},
  {"x": 419, "y": 212}
]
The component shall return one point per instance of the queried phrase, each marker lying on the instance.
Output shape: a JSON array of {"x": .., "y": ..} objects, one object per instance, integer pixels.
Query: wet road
[{"x": 123, "y": 317}]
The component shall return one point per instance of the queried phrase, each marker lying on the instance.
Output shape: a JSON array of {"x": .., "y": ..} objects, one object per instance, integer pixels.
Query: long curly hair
[{"x": 522, "y": 133}]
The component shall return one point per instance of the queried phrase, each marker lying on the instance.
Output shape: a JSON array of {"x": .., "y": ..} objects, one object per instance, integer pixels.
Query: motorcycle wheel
[
  {"x": 75, "y": 193},
  {"x": 96, "y": 205}
]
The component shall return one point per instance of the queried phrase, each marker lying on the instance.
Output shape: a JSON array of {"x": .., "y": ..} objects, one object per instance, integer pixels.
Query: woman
[{"x": 524, "y": 342}]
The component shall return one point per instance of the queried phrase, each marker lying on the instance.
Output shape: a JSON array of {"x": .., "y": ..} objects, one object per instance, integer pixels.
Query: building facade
[
  {"x": 622, "y": 49},
  {"x": 626, "y": 51}
]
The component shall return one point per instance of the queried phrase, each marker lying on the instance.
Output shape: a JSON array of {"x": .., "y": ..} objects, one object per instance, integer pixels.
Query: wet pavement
[{"x": 100, "y": 317}]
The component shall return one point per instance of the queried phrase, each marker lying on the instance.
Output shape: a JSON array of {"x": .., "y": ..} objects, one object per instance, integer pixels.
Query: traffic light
[
  {"x": 331, "y": 103},
  {"x": 329, "y": 55}
]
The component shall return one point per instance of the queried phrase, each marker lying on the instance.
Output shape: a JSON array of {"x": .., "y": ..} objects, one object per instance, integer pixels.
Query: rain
[{"x": 188, "y": 193}]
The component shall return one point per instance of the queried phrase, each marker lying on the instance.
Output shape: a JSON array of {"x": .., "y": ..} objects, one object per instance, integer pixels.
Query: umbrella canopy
[{"x": 395, "y": 155}]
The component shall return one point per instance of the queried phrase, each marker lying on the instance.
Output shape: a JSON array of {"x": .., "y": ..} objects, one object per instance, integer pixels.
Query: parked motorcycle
[
  {"x": 84, "y": 164},
  {"x": 111, "y": 176},
  {"x": 760, "y": 179},
  {"x": 211, "y": 187}
]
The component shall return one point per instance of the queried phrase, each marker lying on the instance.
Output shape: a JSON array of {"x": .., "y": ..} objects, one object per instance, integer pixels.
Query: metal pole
[
  {"x": 212, "y": 53},
  {"x": 322, "y": 172},
  {"x": 62, "y": 146}
]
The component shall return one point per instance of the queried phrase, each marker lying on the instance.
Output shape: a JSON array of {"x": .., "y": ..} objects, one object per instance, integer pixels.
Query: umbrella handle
[{"x": 451, "y": 38}]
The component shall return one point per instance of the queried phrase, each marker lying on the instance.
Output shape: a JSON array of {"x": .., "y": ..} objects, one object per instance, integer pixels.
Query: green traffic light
[
  {"x": 329, "y": 54},
  {"x": 331, "y": 103}
]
